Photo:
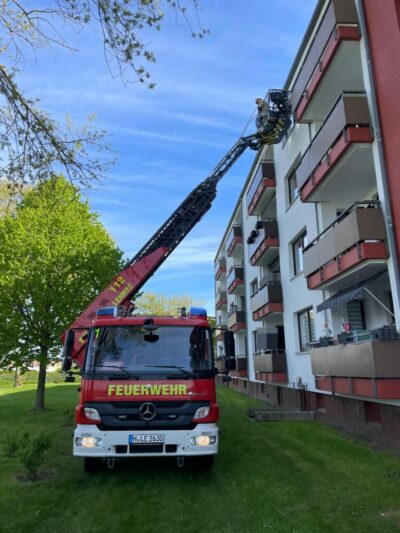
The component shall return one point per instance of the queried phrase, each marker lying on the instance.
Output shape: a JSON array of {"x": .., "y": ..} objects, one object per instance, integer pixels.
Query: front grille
[
  {"x": 125, "y": 415},
  {"x": 132, "y": 405}
]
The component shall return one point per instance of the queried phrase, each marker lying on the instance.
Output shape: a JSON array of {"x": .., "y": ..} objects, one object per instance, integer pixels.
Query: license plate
[{"x": 146, "y": 439}]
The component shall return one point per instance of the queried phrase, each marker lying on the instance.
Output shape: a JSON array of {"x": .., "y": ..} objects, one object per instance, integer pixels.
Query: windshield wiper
[
  {"x": 188, "y": 374},
  {"x": 128, "y": 374}
]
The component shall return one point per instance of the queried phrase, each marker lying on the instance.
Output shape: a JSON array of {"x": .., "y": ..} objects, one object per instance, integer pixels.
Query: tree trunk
[
  {"x": 41, "y": 384},
  {"x": 17, "y": 377}
]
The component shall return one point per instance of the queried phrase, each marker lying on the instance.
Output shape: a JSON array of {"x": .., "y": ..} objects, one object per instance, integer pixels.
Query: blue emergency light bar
[
  {"x": 197, "y": 311},
  {"x": 107, "y": 311}
]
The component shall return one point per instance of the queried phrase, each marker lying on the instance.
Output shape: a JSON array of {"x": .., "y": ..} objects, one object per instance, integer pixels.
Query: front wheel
[
  {"x": 91, "y": 464},
  {"x": 203, "y": 462}
]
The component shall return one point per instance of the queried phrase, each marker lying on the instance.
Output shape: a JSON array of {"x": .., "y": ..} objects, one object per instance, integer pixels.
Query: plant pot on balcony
[
  {"x": 344, "y": 337},
  {"x": 386, "y": 333},
  {"x": 325, "y": 341}
]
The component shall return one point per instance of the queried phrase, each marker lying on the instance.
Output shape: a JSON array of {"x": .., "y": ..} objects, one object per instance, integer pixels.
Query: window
[
  {"x": 293, "y": 192},
  {"x": 297, "y": 247},
  {"x": 255, "y": 340},
  {"x": 305, "y": 321},
  {"x": 254, "y": 287},
  {"x": 356, "y": 314}
]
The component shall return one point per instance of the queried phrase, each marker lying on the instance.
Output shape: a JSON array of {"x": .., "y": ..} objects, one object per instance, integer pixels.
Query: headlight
[
  {"x": 203, "y": 440},
  {"x": 88, "y": 442},
  {"x": 92, "y": 414},
  {"x": 202, "y": 412}
]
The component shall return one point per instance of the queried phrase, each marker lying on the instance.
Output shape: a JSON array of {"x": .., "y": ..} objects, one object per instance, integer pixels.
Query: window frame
[
  {"x": 292, "y": 197},
  {"x": 305, "y": 346},
  {"x": 298, "y": 268}
]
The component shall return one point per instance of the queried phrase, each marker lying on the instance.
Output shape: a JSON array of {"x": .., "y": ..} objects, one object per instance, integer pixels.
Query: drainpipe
[{"x": 386, "y": 204}]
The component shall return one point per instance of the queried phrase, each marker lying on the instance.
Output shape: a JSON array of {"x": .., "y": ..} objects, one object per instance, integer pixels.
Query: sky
[{"x": 168, "y": 140}]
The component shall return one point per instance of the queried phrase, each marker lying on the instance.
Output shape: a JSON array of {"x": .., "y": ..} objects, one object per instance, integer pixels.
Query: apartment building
[{"x": 307, "y": 272}]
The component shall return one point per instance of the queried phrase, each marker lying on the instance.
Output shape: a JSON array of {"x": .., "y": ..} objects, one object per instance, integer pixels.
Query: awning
[{"x": 356, "y": 292}]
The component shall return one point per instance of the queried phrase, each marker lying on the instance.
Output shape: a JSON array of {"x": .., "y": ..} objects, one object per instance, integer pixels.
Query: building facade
[{"x": 307, "y": 272}]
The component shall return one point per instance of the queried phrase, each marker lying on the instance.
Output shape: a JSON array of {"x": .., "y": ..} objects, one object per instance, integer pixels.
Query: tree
[
  {"x": 150, "y": 303},
  {"x": 55, "y": 256},
  {"x": 31, "y": 143}
]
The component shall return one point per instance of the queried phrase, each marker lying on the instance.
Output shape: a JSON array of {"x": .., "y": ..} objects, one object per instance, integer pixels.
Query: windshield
[{"x": 130, "y": 351}]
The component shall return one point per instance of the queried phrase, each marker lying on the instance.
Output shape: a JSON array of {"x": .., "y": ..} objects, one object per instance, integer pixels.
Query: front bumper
[{"x": 116, "y": 443}]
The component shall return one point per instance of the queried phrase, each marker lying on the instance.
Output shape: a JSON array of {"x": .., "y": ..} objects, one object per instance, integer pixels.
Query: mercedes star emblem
[{"x": 147, "y": 411}]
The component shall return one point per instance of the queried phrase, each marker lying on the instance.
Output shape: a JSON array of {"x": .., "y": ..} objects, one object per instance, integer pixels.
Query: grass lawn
[{"x": 286, "y": 476}]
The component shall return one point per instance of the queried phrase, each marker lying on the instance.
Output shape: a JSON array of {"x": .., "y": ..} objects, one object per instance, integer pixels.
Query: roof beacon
[{"x": 197, "y": 311}]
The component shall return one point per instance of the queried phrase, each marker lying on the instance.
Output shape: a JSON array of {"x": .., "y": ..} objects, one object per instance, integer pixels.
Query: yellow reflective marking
[{"x": 144, "y": 390}]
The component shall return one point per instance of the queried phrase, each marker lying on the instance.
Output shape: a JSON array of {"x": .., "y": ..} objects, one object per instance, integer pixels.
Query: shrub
[
  {"x": 31, "y": 451},
  {"x": 9, "y": 444}
]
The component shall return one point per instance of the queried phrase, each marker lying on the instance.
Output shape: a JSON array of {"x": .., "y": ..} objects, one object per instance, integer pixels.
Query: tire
[
  {"x": 91, "y": 464},
  {"x": 203, "y": 462}
]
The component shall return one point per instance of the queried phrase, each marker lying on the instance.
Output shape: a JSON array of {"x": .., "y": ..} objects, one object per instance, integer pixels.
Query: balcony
[
  {"x": 270, "y": 366},
  {"x": 220, "y": 268},
  {"x": 369, "y": 369},
  {"x": 220, "y": 299},
  {"x": 333, "y": 62},
  {"x": 262, "y": 189},
  {"x": 267, "y": 300},
  {"x": 350, "y": 250},
  {"x": 234, "y": 242},
  {"x": 241, "y": 362},
  {"x": 219, "y": 335},
  {"x": 236, "y": 320},
  {"x": 338, "y": 164},
  {"x": 219, "y": 330},
  {"x": 263, "y": 242},
  {"x": 234, "y": 280},
  {"x": 241, "y": 367}
]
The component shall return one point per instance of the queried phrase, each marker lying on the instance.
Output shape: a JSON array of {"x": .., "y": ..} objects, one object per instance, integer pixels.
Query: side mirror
[
  {"x": 229, "y": 344},
  {"x": 230, "y": 363},
  {"x": 68, "y": 347}
]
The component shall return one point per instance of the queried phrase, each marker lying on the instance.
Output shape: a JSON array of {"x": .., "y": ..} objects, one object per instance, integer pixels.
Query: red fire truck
[{"x": 148, "y": 383}]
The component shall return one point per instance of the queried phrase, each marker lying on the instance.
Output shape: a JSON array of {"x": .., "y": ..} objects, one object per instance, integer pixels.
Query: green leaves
[{"x": 55, "y": 256}]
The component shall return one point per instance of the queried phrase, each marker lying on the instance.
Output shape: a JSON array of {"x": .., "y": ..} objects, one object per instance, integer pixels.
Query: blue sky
[{"x": 168, "y": 140}]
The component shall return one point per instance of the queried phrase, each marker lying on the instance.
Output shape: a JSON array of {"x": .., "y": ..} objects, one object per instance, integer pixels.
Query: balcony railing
[
  {"x": 347, "y": 124},
  {"x": 263, "y": 242},
  {"x": 236, "y": 319},
  {"x": 270, "y": 361},
  {"x": 220, "y": 299},
  {"x": 261, "y": 189},
  {"x": 356, "y": 236},
  {"x": 234, "y": 240},
  {"x": 220, "y": 267},
  {"x": 369, "y": 369},
  {"x": 234, "y": 279},
  {"x": 268, "y": 298},
  {"x": 338, "y": 25},
  {"x": 241, "y": 362}
]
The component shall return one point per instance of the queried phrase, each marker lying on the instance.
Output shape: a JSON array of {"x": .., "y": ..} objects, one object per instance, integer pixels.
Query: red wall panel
[{"x": 382, "y": 19}]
